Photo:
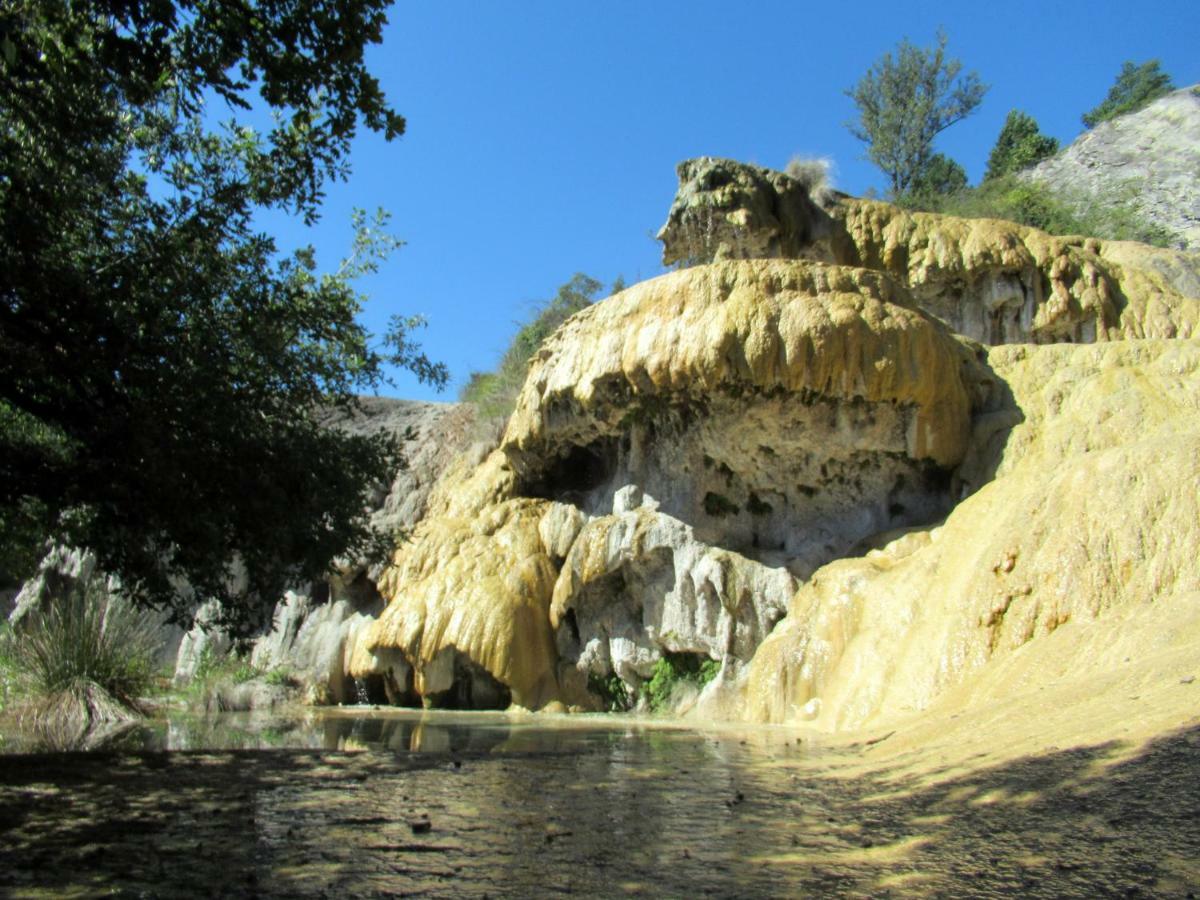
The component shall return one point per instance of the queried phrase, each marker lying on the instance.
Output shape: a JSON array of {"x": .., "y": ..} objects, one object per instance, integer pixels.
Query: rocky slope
[
  {"x": 792, "y": 465},
  {"x": 1152, "y": 156}
]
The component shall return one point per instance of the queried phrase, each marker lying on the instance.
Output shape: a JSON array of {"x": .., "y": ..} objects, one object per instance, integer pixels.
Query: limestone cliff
[
  {"x": 681, "y": 455},
  {"x": 1152, "y": 156},
  {"x": 1090, "y": 527},
  {"x": 787, "y": 461}
]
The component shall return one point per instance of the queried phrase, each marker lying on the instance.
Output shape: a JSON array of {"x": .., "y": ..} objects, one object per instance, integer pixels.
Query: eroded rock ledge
[
  {"x": 681, "y": 457},
  {"x": 994, "y": 281}
]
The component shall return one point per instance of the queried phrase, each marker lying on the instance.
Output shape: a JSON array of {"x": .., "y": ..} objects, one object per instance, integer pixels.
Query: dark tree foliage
[
  {"x": 941, "y": 177},
  {"x": 162, "y": 368},
  {"x": 904, "y": 102},
  {"x": 1020, "y": 144},
  {"x": 1135, "y": 87}
]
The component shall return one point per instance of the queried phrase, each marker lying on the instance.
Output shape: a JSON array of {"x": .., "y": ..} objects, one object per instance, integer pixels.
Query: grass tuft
[{"x": 79, "y": 666}]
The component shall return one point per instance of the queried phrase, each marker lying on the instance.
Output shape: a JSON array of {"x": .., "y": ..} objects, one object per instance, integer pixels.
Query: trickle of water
[{"x": 361, "y": 697}]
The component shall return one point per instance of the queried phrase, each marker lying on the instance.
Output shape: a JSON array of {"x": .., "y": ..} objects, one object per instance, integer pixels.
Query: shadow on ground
[{"x": 639, "y": 812}]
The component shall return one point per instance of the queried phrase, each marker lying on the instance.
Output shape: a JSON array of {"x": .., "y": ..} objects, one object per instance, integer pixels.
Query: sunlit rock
[
  {"x": 680, "y": 455},
  {"x": 994, "y": 281},
  {"x": 1089, "y": 532}
]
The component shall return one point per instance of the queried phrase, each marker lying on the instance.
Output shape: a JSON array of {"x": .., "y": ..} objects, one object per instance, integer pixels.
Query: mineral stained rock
[
  {"x": 680, "y": 455},
  {"x": 993, "y": 281},
  {"x": 1089, "y": 532},
  {"x": 871, "y": 462}
]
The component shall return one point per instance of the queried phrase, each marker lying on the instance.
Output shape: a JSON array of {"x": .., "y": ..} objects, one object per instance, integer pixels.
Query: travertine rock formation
[
  {"x": 730, "y": 210},
  {"x": 1152, "y": 156},
  {"x": 681, "y": 454},
  {"x": 996, "y": 282},
  {"x": 702, "y": 464},
  {"x": 314, "y": 626},
  {"x": 786, "y": 461},
  {"x": 1090, "y": 531}
]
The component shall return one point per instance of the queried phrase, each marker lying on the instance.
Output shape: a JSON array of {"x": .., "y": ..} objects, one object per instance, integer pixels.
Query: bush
[
  {"x": 1033, "y": 203},
  {"x": 80, "y": 664},
  {"x": 494, "y": 394},
  {"x": 611, "y": 690},
  {"x": 1019, "y": 145},
  {"x": 816, "y": 176},
  {"x": 941, "y": 176},
  {"x": 671, "y": 672}
]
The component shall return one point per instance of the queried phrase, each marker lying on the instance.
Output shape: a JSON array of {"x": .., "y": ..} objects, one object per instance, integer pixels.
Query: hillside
[{"x": 1151, "y": 156}]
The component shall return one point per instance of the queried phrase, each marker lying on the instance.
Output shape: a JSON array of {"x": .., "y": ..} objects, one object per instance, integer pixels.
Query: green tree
[
  {"x": 941, "y": 177},
  {"x": 1020, "y": 145},
  {"x": 905, "y": 102},
  {"x": 1135, "y": 87},
  {"x": 164, "y": 371}
]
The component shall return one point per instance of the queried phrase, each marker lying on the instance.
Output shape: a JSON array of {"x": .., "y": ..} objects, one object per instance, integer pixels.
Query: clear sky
[{"x": 543, "y": 134}]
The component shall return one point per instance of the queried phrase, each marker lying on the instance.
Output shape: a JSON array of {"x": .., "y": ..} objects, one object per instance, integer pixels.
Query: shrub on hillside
[
  {"x": 1111, "y": 217},
  {"x": 494, "y": 394},
  {"x": 1019, "y": 145},
  {"x": 1135, "y": 87}
]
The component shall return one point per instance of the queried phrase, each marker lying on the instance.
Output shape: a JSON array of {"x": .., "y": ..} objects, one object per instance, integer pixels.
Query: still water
[{"x": 393, "y": 803}]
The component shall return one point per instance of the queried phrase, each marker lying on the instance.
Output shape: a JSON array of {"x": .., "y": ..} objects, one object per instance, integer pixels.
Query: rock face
[
  {"x": 314, "y": 626},
  {"x": 795, "y": 467},
  {"x": 730, "y": 210},
  {"x": 995, "y": 282},
  {"x": 1152, "y": 155},
  {"x": 792, "y": 465},
  {"x": 680, "y": 455},
  {"x": 1076, "y": 559}
]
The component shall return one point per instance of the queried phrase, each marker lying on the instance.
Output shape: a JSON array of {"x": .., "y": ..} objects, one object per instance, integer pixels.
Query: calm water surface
[{"x": 363, "y": 803}]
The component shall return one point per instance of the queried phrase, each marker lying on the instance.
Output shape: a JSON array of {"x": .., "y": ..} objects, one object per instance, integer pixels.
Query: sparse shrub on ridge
[
  {"x": 494, "y": 394},
  {"x": 816, "y": 175},
  {"x": 1113, "y": 217}
]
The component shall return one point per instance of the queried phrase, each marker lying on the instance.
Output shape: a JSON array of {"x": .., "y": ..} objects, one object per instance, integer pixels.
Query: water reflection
[{"x": 471, "y": 804}]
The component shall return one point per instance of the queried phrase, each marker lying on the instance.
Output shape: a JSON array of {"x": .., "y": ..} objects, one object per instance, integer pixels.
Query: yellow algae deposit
[
  {"x": 1085, "y": 544},
  {"x": 1033, "y": 286},
  {"x": 477, "y": 587},
  {"x": 629, "y": 485},
  {"x": 990, "y": 280}
]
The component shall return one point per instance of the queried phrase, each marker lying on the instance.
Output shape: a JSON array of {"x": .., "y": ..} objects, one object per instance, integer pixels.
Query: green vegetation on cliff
[
  {"x": 1135, "y": 87},
  {"x": 1033, "y": 203},
  {"x": 1020, "y": 145},
  {"x": 495, "y": 393},
  {"x": 904, "y": 103}
]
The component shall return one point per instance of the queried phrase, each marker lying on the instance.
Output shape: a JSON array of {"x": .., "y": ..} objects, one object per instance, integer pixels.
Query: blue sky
[{"x": 543, "y": 134}]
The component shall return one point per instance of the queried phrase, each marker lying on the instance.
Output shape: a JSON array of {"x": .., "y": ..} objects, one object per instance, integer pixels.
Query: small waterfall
[{"x": 361, "y": 697}]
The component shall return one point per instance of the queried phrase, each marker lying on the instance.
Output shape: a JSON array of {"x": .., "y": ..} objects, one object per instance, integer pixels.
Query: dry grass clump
[
  {"x": 78, "y": 666},
  {"x": 816, "y": 175}
]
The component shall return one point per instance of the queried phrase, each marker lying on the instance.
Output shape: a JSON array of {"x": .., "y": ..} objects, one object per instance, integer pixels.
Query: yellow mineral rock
[
  {"x": 1091, "y": 528},
  {"x": 764, "y": 325},
  {"x": 473, "y": 590},
  {"x": 999, "y": 282},
  {"x": 990, "y": 280}
]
